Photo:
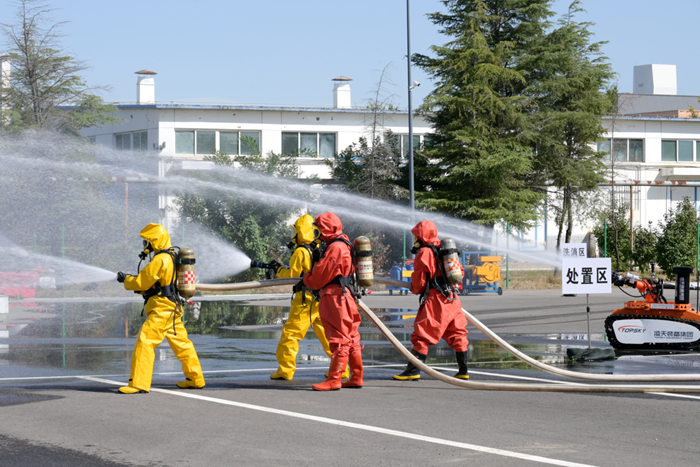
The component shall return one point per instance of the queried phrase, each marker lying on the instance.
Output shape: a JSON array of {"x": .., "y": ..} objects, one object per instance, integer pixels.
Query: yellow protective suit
[
  {"x": 161, "y": 313},
  {"x": 302, "y": 315}
]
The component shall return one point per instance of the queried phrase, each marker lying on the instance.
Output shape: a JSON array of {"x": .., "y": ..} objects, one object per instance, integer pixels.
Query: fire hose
[{"x": 567, "y": 387}]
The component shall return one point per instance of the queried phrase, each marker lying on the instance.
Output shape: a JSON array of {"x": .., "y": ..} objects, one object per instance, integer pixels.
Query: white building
[
  {"x": 182, "y": 134},
  {"x": 657, "y": 142}
]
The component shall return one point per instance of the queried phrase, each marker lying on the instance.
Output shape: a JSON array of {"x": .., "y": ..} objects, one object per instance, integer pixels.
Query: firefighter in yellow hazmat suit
[
  {"x": 303, "y": 304},
  {"x": 164, "y": 315}
]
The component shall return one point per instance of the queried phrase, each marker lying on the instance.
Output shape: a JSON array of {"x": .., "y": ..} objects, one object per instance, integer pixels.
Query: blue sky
[{"x": 287, "y": 52}]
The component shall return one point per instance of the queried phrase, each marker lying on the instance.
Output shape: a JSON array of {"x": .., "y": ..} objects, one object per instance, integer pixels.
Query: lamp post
[{"x": 410, "y": 114}]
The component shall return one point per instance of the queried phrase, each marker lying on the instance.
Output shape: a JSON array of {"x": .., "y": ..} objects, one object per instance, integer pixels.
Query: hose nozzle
[{"x": 258, "y": 264}]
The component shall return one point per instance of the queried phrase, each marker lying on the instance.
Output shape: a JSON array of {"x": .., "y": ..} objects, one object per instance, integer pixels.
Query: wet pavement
[{"x": 58, "y": 351}]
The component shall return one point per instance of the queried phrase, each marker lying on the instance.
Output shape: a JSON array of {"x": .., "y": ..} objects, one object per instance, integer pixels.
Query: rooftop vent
[{"x": 145, "y": 87}]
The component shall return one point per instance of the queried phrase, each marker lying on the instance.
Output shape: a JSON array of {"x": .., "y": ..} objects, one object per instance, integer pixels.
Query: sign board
[
  {"x": 586, "y": 275},
  {"x": 574, "y": 250}
]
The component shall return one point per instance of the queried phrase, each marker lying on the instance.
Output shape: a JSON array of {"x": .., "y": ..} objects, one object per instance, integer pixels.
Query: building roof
[
  {"x": 646, "y": 103},
  {"x": 145, "y": 72},
  {"x": 279, "y": 108}
]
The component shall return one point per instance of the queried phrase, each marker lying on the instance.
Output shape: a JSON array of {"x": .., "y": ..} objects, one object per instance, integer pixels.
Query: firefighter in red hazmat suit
[
  {"x": 304, "y": 312},
  {"x": 156, "y": 283},
  {"x": 337, "y": 308},
  {"x": 440, "y": 313}
]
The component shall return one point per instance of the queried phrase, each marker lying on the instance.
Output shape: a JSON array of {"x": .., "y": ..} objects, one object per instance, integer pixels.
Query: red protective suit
[
  {"x": 337, "y": 308},
  {"x": 437, "y": 318}
]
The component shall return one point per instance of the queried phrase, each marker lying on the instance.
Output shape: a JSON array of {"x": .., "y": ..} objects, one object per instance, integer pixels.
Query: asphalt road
[{"x": 244, "y": 418}]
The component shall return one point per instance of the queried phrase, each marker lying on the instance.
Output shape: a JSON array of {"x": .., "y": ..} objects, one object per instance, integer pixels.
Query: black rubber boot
[
  {"x": 462, "y": 358},
  {"x": 411, "y": 373}
]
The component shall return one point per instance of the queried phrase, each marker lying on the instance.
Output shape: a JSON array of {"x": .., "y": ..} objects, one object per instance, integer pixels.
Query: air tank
[
  {"x": 450, "y": 259},
  {"x": 363, "y": 253},
  {"x": 185, "y": 272}
]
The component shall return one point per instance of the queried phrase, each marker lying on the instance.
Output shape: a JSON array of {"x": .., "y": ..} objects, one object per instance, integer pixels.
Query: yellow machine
[{"x": 482, "y": 277}]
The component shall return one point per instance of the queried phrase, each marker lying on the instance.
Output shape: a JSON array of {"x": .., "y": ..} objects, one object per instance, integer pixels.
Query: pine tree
[
  {"x": 567, "y": 82},
  {"x": 482, "y": 159}
]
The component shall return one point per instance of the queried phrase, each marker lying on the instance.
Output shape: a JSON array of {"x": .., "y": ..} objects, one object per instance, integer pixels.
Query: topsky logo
[{"x": 631, "y": 328}]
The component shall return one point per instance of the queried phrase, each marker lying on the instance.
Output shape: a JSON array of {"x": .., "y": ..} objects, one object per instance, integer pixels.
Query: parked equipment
[
  {"x": 482, "y": 276},
  {"x": 401, "y": 273},
  {"x": 654, "y": 322}
]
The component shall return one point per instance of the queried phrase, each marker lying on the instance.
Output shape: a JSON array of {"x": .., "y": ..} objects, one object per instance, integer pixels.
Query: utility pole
[{"x": 411, "y": 188}]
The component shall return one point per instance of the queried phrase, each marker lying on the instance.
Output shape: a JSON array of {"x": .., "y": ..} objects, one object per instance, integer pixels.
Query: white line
[
  {"x": 255, "y": 370},
  {"x": 684, "y": 396},
  {"x": 359, "y": 426},
  {"x": 472, "y": 372}
]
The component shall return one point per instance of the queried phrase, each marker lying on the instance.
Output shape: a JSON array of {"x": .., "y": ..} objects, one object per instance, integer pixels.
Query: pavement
[{"x": 55, "y": 414}]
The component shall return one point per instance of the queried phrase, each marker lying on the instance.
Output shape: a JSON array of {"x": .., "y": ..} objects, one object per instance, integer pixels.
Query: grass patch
[{"x": 531, "y": 280}]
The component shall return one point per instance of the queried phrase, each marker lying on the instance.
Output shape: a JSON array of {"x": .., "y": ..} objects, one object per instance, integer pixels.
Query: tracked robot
[{"x": 655, "y": 323}]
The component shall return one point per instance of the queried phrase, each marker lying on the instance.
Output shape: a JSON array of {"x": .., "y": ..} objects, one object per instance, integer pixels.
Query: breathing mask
[
  {"x": 147, "y": 249},
  {"x": 417, "y": 245}
]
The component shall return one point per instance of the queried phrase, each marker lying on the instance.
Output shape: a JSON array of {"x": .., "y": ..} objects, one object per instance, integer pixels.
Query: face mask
[
  {"x": 416, "y": 246},
  {"x": 147, "y": 249}
]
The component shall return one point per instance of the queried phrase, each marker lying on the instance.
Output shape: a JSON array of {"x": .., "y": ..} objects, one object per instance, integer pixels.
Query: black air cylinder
[{"x": 682, "y": 283}]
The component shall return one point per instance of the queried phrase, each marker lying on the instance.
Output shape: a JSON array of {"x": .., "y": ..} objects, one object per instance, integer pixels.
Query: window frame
[
  {"x": 217, "y": 141},
  {"x": 132, "y": 141},
  {"x": 677, "y": 142},
  {"x": 613, "y": 146},
  {"x": 319, "y": 135}
]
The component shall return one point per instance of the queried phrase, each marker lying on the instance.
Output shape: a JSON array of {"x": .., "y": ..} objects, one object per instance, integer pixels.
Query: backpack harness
[
  {"x": 440, "y": 283},
  {"x": 300, "y": 286},
  {"x": 170, "y": 291},
  {"x": 349, "y": 282}
]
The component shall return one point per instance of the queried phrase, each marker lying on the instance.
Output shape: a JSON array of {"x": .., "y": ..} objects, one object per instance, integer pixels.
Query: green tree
[
  {"x": 677, "y": 237},
  {"x": 645, "y": 240},
  {"x": 568, "y": 78},
  {"x": 481, "y": 157},
  {"x": 620, "y": 243},
  {"x": 368, "y": 170},
  {"x": 45, "y": 79},
  {"x": 256, "y": 227}
]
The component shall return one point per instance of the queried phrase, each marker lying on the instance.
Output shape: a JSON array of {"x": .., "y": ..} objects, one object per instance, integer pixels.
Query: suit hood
[
  {"x": 304, "y": 230},
  {"x": 426, "y": 232},
  {"x": 157, "y": 236},
  {"x": 330, "y": 226}
]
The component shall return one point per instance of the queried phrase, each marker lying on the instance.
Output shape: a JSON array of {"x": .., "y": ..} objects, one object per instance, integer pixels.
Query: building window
[
  {"x": 685, "y": 151},
  {"x": 680, "y": 150},
  {"x": 248, "y": 138},
  {"x": 140, "y": 140},
  {"x": 405, "y": 146},
  {"x": 242, "y": 143},
  {"x": 205, "y": 142},
  {"x": 400, "y": 143},
  {"x": 625, "y": 150},
  {"x": 184, "y": 142},
  {"x": 309, "y": 144},
  {"x": 124, "y": 142}
]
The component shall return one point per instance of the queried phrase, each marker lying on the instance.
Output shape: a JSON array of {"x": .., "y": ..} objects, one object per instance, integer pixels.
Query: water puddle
[{"x": 98, "y": 338}]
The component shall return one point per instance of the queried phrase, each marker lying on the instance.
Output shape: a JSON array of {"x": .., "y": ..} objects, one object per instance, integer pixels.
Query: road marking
[
  {"x": 256, "y": 370},
  {"x": 527, "y": 378},
  {"x": 358, "y": 426}
]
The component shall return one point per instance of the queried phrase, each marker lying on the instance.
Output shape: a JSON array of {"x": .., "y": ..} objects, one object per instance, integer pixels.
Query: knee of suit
[
  {"x": 340, "y": 351},
  {"x": 420, "y": 347}
]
